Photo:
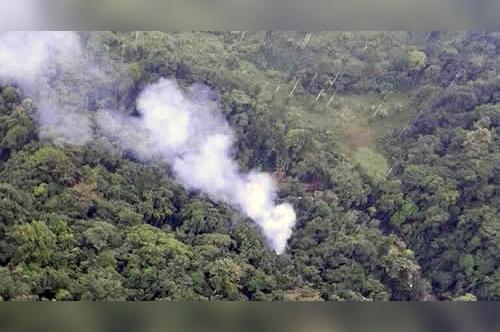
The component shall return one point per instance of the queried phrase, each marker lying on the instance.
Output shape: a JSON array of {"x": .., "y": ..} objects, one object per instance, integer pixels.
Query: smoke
[
  {"x": 182, "y": 127},
  {"x": 26, "y": 55},
  {"x": 186, "y": 130},
  {"x": 34, "y": 60}
]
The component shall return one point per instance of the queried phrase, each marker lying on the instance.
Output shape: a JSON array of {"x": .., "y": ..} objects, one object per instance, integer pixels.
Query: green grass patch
[{"x": 373, "y": 163}]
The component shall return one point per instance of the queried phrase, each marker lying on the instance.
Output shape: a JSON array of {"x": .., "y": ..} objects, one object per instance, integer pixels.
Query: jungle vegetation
[{"x": 386, "y": 143}]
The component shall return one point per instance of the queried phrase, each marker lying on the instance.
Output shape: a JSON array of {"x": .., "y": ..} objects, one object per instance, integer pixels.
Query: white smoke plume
[
  {"x": 32, "y": 60},
  {"x": 183, "y": 128},
  {"x": 26, "y": 55}
]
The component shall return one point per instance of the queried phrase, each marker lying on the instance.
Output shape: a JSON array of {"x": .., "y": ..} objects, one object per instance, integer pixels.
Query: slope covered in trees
[{"x": 386, "y": 144}]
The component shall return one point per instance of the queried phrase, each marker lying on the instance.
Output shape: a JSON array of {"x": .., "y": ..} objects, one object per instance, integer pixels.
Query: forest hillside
[{"x": 386, "y": 145}]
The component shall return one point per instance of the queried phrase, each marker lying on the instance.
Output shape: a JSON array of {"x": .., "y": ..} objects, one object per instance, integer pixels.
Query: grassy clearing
[
  {"x": 358, "y": 121},
  {"x": 373, "y": 163}
]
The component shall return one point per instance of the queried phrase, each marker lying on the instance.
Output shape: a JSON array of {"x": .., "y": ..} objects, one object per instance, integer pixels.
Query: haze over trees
[{"x": 385, "y": 143}]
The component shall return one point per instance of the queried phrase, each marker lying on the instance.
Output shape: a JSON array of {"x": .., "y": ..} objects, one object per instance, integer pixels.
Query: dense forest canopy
[{"x": 385, "y": 143}]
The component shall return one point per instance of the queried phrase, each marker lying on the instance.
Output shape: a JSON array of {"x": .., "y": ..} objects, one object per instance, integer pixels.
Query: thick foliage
[{"x": 93, "y": 223}]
